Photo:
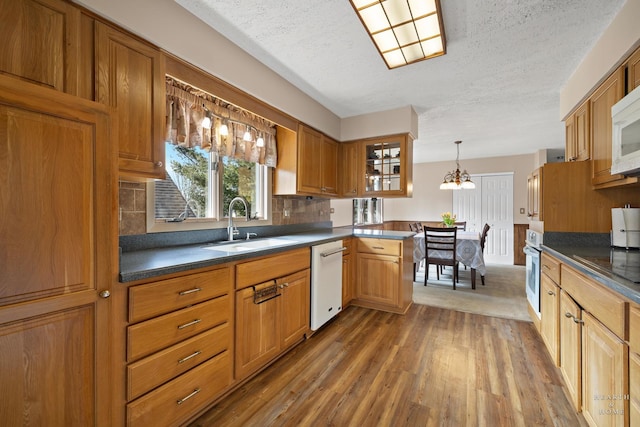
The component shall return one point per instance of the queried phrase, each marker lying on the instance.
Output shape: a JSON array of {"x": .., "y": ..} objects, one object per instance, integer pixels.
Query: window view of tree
[{"x": 198, "y": 185}]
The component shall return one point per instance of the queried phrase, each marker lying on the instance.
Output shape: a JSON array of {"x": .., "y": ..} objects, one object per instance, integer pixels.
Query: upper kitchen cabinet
[
  {"x": 633, "y": 71},
  {"x": 600, "y": 103},
  {"x": 307, "y": 163},
  {"x": 388, "y": 166},
  {"x": 130, "y": 78},
  {"x": 578, "y": 141},
  {"x": 41, "y": 42},
  {"x": 348, "y": 169}
]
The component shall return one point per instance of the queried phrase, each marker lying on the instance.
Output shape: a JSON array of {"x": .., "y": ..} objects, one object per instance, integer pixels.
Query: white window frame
[{"x": 263, "y": 193}]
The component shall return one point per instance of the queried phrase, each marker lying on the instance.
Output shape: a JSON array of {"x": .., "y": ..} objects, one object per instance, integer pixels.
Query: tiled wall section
[{"x": 285, "y": 210}]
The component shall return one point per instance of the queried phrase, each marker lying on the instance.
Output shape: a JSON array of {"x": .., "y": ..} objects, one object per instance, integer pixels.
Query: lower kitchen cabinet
[
  {"x": 384, "y": 274},
  {"x": 605, "y": 377},
  {"x": 179, "y": 346},
  {"x": 634, "y": 366},
  {"x": 549, "y": 306},
  {"x": 348, "y": 270},
  {"x": 272, "y": 308}
]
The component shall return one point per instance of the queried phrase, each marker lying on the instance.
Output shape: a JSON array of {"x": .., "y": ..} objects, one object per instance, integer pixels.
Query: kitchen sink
[{"x": 249, "y": 245}]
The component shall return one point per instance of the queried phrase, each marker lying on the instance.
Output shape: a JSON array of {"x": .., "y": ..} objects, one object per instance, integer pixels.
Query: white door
[{"x": 492, "y": 203}]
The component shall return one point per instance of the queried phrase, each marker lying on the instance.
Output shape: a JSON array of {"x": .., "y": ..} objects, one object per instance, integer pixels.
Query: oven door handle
[{"x": 528, "y": 250}]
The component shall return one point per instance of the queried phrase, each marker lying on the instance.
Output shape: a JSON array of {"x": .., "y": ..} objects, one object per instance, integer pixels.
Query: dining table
[{"x": 468, "y": 252}]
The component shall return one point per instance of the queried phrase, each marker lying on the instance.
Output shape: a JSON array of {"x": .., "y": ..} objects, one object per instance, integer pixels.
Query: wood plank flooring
[{"x": 430, "y": 367}]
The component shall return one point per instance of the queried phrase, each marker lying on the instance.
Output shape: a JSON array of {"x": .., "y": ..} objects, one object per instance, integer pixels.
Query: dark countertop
[
  {"x": 148, "y": 263},
  {"x": 567, "y": 254}
]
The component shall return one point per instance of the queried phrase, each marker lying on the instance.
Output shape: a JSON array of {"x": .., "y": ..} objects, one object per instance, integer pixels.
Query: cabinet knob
[
  {"x": 159, "y": 164},
  {"x": 551, "y": 293},
  {"x": 105, "y": 294}
]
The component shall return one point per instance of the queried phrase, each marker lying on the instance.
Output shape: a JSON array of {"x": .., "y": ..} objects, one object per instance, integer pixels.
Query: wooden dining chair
[
  {"x": 440, "y": 250},
  {"x": 483, "y": 241}
]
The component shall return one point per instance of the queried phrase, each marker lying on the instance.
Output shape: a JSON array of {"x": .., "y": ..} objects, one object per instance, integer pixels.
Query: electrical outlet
[
  {"x": 286, "y": 213},
  {"x": 522, "y": 211},
  {"x": 332, "y": 210}
]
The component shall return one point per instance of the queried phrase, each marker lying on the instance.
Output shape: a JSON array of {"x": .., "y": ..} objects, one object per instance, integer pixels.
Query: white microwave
[{"x": 625, "y": 149}]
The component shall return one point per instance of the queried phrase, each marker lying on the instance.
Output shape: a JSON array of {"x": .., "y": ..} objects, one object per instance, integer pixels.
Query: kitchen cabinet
[
  {"x": 578, "y": 132},
  {"x": 307, "y": 164},
  {"x": 348, "y": 169},
  {"x": 634, "y": 366},
  {"x": 549, "y": 306},
  {"x": 130, "y": 77},
  {"x": 388, "y": 166},
  {"x": 570, "y": 318},
  {"x": 179, "y": 346},
  {"x": 633, "y": 71},
  {"x": 58, "y": 190},
  {"x": 594, "y": 356},
  {"x": 384, "y": 271},
  {"x": 534, "y": 195},
  {"x": 604, "y": 375},
  {"x": 348, "y": 272},
  {"x": 600, "y": 103},
  {"x": 41, "y": 43},
  {"x": 272, "y": 308}
]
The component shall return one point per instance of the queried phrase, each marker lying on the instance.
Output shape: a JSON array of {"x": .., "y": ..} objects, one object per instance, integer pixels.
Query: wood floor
[{"x": 430, "y": 367}]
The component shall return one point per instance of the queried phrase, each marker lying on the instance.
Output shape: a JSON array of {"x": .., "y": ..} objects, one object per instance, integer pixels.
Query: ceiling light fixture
[
  {"x": 404, "y": 31},
  {"x": 456, "y": 180}
]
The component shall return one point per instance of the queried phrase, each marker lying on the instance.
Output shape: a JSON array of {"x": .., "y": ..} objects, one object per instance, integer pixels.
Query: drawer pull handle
[
  {"x": 189, "y": 396},
  {"x": 551, "y": 293},
  {"x": 546, "y": 266},
  {"x": 191, "y": 356},
  {"x": 571, "y": 316},
  {"x": 378, "y": 247},
  {"x": 194, "y": 322},
  {"x": 190, "y": 291}
]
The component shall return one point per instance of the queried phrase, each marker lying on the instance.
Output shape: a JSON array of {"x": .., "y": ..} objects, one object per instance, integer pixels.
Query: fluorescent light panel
[{"x": 404, "y": 31}]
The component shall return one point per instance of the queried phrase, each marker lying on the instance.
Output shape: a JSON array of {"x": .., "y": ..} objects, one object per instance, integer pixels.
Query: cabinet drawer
[
  {"x": 607, "y": 307},
  {"x": 269, "y": 268},
  {"x": 551, "y": 267},
  {"x": 634, "y": 330},
  {"x": 160, "y": 367},
  {"x": 153, "y": 299},
  {"x": 176, "y": 401},
  {"x": 155, "y": 334},
  {"x": 380, "y": 246}
]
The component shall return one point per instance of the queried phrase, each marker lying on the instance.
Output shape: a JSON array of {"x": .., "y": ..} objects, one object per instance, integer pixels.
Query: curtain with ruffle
[{"x": 187, "y": 107}]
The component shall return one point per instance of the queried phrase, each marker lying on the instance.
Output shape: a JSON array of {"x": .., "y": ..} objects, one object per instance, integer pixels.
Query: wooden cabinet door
[
  {"x": 570, "y": 348},
  {"x": 296, "y": 305},
  {"x": 58, "y": 193},
  {"x": 582, "y": 133},
  {"x": 378, "y": 279},
  {"x": 633, "y": 71},
  {"x": 329, "y": 165},
  {"x": 605, "y": 359},
  {"x": 309, "y": 166},
  {"x": 634, "y": 389},
  {"x": 348, "y": 169},
  {"x": 549, "y": 306},
  {"x": 41, "y": 42},
  {"x": 570, "y": 139},
  {"x": 257, "y": 330},
  {"x": 534, "y": 195},
  {"x": 610, "y": 92},
  {"x": 347, "y": 279},
  {"x": 130, "y": 77}
]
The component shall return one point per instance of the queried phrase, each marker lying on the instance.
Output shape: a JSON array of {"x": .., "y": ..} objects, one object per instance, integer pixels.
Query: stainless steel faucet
[{"x": 231, "y": 230}]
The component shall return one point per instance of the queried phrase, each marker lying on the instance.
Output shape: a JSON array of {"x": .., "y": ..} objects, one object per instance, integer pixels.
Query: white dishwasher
[{"x": 326, "y": 282}]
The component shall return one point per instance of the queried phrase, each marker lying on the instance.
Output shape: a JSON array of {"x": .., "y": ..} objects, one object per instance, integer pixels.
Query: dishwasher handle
[{"x": 333, "y": 252}]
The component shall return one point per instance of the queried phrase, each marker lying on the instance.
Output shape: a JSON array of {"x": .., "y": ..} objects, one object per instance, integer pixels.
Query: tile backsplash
[{"x": 285, "y": 210}]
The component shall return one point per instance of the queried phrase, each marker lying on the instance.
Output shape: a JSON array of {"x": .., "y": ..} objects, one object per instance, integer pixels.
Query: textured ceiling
[{"x": 497, "y": 88}]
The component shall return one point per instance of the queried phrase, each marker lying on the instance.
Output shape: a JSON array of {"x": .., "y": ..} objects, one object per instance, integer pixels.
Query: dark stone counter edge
[
  {"x": 149, "y": 263},
  {"x": 624, "y": 287}
]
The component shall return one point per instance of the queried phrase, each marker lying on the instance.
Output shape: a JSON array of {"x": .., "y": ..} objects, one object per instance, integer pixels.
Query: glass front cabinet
[{"x": 388, "y": 163}]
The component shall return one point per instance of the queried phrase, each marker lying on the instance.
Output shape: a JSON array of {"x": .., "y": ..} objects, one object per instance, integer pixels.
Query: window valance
[{"x": 234, "y": 132}]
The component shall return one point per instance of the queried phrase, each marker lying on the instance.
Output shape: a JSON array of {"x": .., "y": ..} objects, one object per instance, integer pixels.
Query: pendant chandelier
[{"x": 456, "y": 180}]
